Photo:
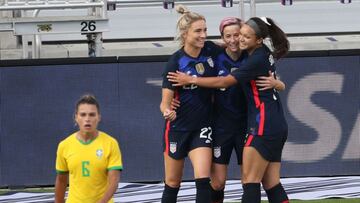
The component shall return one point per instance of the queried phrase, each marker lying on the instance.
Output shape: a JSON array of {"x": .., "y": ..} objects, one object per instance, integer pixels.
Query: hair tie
[{"x": 264, "y": 19}]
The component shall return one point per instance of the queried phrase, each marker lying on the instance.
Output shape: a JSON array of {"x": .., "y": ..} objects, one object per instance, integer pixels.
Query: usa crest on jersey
[
  {"x": 210, "y": 62},
  {"x": 173, "y": 147},
  {"x": 217, "y": 152}
]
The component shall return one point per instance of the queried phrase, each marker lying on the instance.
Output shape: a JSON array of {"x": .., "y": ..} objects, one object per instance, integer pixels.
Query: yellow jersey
[{"x": 87, "y": 165}]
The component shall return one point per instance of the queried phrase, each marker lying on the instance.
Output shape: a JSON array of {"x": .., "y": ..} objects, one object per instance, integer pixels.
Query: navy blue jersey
[
  {"x": 230, "y": 103},
  {"x": 195, "y": 102},
  {"x": 265, "y": 113}
]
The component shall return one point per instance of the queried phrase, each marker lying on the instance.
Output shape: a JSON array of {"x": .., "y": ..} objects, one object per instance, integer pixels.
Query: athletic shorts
[
  {"x": 223, "y": 145},
  {"x": 270, "y": 147},
  {"x": 177, "y": 144}
]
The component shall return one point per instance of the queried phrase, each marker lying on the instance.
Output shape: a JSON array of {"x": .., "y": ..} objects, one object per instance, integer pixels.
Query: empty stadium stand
[{"x": 20, "y": 23}]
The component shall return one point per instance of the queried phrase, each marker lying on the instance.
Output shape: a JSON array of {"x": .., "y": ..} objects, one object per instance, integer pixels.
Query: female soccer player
[
  {"x": 267, "y": 127},
  {"x": 89, "y": 158},
  {"x": 187, "y": 130},
  {"x": 230, "y": 114}
]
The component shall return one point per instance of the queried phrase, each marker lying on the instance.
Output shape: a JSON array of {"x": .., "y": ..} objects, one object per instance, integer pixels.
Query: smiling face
[
  {"x": 87, "y": 117},
  {"x": 196, "y": 35},
  {"x": 248, "y": 39},
  {"x": 230, "y": 37}
]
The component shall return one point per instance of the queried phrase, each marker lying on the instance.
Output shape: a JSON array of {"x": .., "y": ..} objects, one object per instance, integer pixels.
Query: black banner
[{"x": 321, "y": 103}]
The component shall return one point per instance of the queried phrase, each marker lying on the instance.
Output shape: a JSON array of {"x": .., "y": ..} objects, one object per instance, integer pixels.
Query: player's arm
[
  {"x": 165, "y": 105},
  {"x": 62, "y": 175},
  {"x": 270, "y": 82},
  {"x": 168, "y": 91},
  {"x": 180, "y": 79},
  {"x": 279, "y": 85},
  {"x": 60, "y": 187},
  {"x": 113, "y": 181},
  {"x": 248, "y": 72}
]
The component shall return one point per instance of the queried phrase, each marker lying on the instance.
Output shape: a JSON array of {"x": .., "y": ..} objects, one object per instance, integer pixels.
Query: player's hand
[
  {"x": 266, "y": 82},
  {"x": 169, "y": 115},
  {"x": 174, "y": 104},
  {"x": 179, "y": 78}
]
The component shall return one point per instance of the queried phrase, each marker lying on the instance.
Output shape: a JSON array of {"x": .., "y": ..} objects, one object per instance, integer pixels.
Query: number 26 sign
[{"x": 88, "y": 26}]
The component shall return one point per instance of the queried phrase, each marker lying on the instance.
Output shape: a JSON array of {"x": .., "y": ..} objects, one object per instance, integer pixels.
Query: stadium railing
[{"x": 21, "y": 24}]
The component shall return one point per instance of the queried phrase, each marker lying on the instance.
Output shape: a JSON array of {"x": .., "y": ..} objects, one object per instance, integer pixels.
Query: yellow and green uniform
[{"x": 87, "y": 165}]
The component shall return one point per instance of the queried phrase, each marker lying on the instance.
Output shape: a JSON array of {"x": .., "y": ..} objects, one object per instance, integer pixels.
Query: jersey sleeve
[
  {"x": 61, "y": 164},
  {"x": 253, "y": 67},
  {"x": 115, "y": 158},
  {"x": 171, "y": 66}
]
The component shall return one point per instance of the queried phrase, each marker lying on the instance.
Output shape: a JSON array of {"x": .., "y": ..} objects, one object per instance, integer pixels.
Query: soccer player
[
  {"x": 230, "y": 114},
  {"x": 89, "y": 158},
  {"x": 187, "y": 130},
  {"x": 267, "y": 127}
]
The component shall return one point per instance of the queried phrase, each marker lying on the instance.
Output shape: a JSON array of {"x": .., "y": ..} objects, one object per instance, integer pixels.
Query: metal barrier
[
  {"x": 50, "y": 4},
  {"x": 92, "y": 25}
]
